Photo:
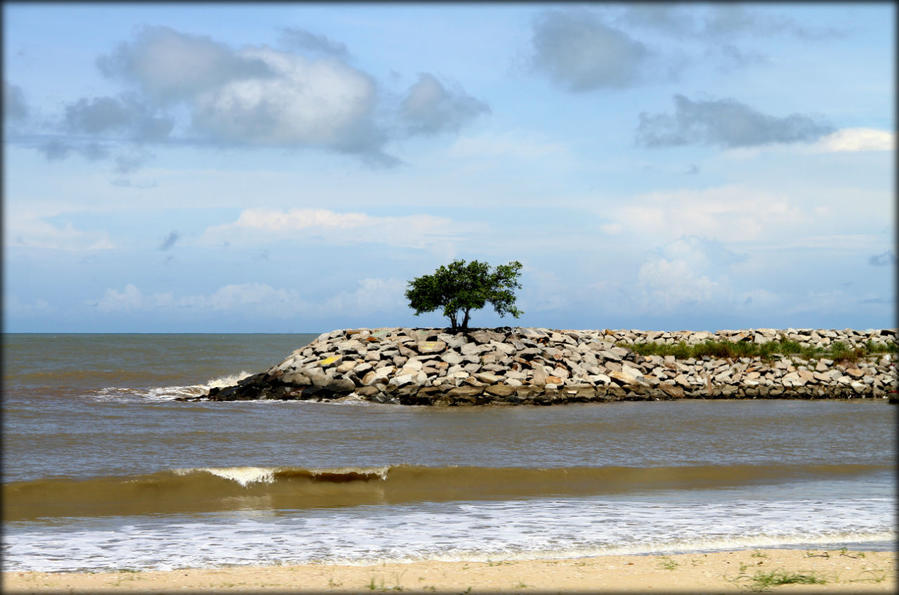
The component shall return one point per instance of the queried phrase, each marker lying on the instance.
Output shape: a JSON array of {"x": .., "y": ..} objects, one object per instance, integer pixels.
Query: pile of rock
[{"x": 545, "y": 366}]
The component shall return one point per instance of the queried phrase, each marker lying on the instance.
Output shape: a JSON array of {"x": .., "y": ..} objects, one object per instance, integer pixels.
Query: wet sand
[{"x": 824, "y": 571}]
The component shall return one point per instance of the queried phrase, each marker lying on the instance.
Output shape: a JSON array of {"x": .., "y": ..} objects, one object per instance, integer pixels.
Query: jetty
[{"x": 539, "y": 366}]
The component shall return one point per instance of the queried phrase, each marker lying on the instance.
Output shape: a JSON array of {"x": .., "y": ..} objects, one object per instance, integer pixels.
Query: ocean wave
[
  {"x": 476, "y": 531},
  {"x": 165, "y": 393},
  {"x": 227, "y": 380},
  {"x": 210, "y": 489}
]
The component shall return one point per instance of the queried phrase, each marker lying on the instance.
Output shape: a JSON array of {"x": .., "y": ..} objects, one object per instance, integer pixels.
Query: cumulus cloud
[
  {"x": 259, "y": 96},
  {"x": 579, "y": 52},
  {"x": 715, "y": 22},
  {"x": 264, "y": 225},
  {"x": 692, "y": 271},
  {"x": 887, "y": 258},
  {"x": 682, "y": 273},
  {"x": 191, "y": 89},
  {"x": 730, "y": 213},
  {"x": 673, "y": 282},
  {"x": 727, "y": 20},
  {"x": 429, "y": 107},
  {"x": 370, "y": 295},
  {"x": 228, "y": 297},
  {"x": 724, "y": 122},
  {"x": 56, "y": 149},
  {"x": 130, "y": 298},
  {"x": 15, "y": 108},
  {"x": 857, "y": 140},
  {"x": 169, "y": 240},
  {"x": 13, "y": 306},
  {"x": 32, "y": 230},
  {"x": 127, "y": 115},
  {"x": 717, "y": 27},
  {"x": 168, "y": 65},
  {"x": 131, "y": 159},
  {"x": 731, "y": 57},
  {"x": 302, "y": 102},
  {"x": 669, "y": 18},
  {"x": 302, "y": 39}
]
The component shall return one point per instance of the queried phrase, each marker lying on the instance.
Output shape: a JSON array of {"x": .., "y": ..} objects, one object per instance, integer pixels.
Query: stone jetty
[{"x": 513, "y": 365}]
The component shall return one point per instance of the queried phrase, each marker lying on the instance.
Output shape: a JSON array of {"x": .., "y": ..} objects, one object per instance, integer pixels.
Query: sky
[{"x": 291, "y": 167}]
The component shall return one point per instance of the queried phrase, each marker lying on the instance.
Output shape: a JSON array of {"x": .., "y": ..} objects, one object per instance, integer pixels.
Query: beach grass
[
  {"x": 762, "y": 581},
  {"x": 838, "y": 351}
]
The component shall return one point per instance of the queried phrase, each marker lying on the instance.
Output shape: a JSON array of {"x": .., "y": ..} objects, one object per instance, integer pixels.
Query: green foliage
[
  {"x": 766, "y": 580},
  {"x": 838, "y": 351},
  {"x": 667, "y": 563},
  {"x": 878, "y": 347},
  {"x": 460, "y": 288}
]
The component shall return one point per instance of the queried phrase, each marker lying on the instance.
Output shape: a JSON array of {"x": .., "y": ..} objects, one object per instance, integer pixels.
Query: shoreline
[{"x": 812, "y": 570}]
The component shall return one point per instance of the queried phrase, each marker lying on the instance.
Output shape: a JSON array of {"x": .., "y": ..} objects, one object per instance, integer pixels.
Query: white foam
[
  {"x": 167, "y": 393},
  {"x": 684, "y": 546},
  {"x": 160, "y": 393},
  {"x": 471, "y": 531},
  {"x": 224, "y": 381},
  {"x": 242, "y": 475}
]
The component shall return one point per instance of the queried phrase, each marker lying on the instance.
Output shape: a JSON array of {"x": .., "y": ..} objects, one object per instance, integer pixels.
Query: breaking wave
[
  {"x": 167, "y": 393},
  {"x": 280, "y": 488}
]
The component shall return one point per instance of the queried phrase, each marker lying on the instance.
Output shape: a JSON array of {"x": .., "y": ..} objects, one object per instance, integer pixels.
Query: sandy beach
[{"x": 830, "y": 571}]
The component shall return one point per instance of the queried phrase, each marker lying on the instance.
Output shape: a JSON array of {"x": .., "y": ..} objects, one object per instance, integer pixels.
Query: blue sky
[{"x": 290, "y": 167}]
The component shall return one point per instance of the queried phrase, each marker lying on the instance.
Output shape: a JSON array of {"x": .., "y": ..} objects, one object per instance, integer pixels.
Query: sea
[{"x": 103, "y": 469}]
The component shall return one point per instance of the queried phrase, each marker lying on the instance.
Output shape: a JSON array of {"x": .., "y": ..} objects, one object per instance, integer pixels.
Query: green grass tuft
[
  {"x": 838, "y": 351},
  {"x": 774, "y": 578},
  {"x": 667, "y": 563}
]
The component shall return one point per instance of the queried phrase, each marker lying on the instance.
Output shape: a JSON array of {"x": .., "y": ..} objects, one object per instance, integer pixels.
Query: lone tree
[{"x": 462, "y": 287}]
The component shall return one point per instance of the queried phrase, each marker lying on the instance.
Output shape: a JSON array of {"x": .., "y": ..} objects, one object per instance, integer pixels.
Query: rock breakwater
[{"x": 514, "y": 365}]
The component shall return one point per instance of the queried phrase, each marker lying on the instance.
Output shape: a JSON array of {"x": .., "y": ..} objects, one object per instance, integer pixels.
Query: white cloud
[
  {"x": 692, "y": 271},
  {"x": 370, "y": 295},
  {"x": 414, "y": 231},
  {"x": 30, "y": 230},
  {"x": 226, "y": 298},
  {"x": 431, "y": 108},
  {"x": 682, "y": 272},
  {"x": 300, "y": 101},
  {"x": 856, "y": 140},
  {"x": 13, "y": 306},
  {"x": 129, "y": 299},
  {"x": 232, "y": 297},
  {"x": 673, "y": 282},
  {"x": 730, "y": 213}
]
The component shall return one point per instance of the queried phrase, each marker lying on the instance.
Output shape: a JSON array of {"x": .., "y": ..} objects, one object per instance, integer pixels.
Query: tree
[{"x": 461, "y": 287}]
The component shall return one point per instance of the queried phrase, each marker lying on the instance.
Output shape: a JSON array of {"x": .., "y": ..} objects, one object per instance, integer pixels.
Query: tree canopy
[{"x": 461, "y": 287}]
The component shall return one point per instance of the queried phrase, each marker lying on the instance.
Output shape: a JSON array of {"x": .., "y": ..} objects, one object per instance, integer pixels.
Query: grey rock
[
  {"x": 428, "y": 347},
  {"x": 451, "y": 358},
  {"x": 351, "y": 345},
  {"x": 487, "y": 378}
]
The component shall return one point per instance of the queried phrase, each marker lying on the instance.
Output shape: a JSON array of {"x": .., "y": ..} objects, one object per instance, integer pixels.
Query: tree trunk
[
  {"x": 465, "y": 321},
  {"x": 453, "y": 322}
]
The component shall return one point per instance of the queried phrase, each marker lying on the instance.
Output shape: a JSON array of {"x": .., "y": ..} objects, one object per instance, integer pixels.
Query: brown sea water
[{"x": 101, "y": 461}]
